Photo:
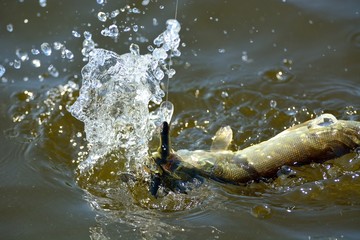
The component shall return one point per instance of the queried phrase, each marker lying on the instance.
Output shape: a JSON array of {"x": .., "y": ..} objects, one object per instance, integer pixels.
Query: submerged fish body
[{"x": 316, "y": 140}]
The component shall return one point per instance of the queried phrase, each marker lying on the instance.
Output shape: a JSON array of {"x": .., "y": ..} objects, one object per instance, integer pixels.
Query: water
[{"x": 281, "y": 63}]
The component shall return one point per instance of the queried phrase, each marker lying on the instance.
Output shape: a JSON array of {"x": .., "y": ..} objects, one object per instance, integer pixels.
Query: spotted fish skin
[{"x": 316, "y": 140}]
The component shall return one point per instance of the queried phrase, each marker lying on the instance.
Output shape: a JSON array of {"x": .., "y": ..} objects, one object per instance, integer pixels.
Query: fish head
[{"x": 167, "y": 168}]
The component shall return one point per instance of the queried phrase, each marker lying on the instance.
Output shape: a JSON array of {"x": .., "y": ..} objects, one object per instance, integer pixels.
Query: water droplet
[
  {"x": 287, "y": 63},
  {"x": 9, "y": 27},
  {"x": 17, "y": 64},
  {"x": 134, "y": 49},
  {"x": 35, "y": 51},
  {"x": 261, "y": 211},
  {"x": 245, "y": 57},
  {"x": 286, "y": 171},
  {"x": 273, "y": 103},
  {"x": 277, "y": 75},
  {"x": 145, "y": 2},
  {"x": 22, "y": 55},
  {"x": 235, "y": 67},
  {"x": 159, "y": 54},
  {"x": 87, "y": 35},
  {"x": 114, "y": 13},
  {"x": 159, "y": 74},
  {"x": 53, "y": 71},
  {"x": 2, "y": 70},
  {"x": 224, "y": 94},
  {"x": 102, "y": 16},
  {"x": 161, "y": 7},
  {"x": 100, "y": 1},
  {"x": 221, "y": 50},
  {"x": 291, "y": 111},
  {"x": 350, "y": 110},
  {"x": 113, "y": 31},
  {"x": 150, "y": 48},
  {"x": 171, "y": 72},
  {"x": 166, "y": 111},
  {"x": 36, "y": 63},
  {"x": 42, "y": 3},
  {"x": 75, "y": 34},
  {"x": 69, "y": 54},
  {"x": 155, "y": 22},
  {"x": 46, "y": 48},
  {"x": 136, "y": 10},
  {"x": 58, "y": 46},
  {"x": 135, "y": 28}
]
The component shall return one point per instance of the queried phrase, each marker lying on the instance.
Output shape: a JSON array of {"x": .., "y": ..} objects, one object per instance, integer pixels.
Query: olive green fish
[{"x": 316, "y": 140}]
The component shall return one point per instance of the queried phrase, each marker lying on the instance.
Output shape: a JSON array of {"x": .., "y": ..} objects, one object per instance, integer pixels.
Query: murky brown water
[{"x": 258, "y": 66}]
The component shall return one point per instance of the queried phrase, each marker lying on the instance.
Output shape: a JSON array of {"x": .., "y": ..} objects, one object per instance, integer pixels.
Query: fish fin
[
  {"x": 222, "y": 139},
  {"x": 323, "y": 120}
]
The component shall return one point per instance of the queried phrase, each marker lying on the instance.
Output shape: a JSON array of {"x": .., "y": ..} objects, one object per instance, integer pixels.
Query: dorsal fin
[{"x": 222, "y": 139}]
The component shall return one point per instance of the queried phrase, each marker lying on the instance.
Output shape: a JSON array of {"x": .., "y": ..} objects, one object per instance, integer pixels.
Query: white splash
[{"x": 114, "y": 99}]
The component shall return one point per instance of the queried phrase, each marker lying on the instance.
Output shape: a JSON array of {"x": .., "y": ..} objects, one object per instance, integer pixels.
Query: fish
[{"x": 317, "y": 140}]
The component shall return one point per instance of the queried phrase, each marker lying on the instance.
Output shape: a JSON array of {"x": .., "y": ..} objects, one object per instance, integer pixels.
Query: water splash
[{"x": 114, "y": 99}]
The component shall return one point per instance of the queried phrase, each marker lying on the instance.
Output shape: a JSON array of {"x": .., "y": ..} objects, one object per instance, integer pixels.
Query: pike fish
[{"x": 316, "y": 140}]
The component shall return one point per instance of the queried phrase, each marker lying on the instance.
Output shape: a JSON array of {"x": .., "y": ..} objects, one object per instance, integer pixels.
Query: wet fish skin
[{"x": 316, "y": 140}]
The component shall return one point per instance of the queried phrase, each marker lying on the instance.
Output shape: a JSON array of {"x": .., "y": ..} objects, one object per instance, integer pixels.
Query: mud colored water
[{"x": 258, "y": 66}]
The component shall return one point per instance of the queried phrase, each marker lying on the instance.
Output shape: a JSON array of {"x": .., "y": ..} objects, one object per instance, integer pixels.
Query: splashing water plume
[{"x": 115, "y": 95}]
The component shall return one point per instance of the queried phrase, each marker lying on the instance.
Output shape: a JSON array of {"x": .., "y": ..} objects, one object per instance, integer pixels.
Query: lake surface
[{"x": 259, "y": 66}]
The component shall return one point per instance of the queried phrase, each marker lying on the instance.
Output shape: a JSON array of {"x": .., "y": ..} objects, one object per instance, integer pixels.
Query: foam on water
[{"x": 115, "y": 95}]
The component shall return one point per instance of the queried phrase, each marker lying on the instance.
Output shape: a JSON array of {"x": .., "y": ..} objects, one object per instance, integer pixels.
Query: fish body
[{"x": 316, "y": 140}]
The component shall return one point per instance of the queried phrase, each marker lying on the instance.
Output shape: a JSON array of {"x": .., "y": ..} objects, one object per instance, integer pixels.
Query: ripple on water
[
  {"x": 277, "y": 75},
  {"x": 355, "y": 39}
]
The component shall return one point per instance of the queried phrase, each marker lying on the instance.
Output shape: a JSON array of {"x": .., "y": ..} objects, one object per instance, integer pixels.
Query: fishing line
[{"x": 170, "y": 58}]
